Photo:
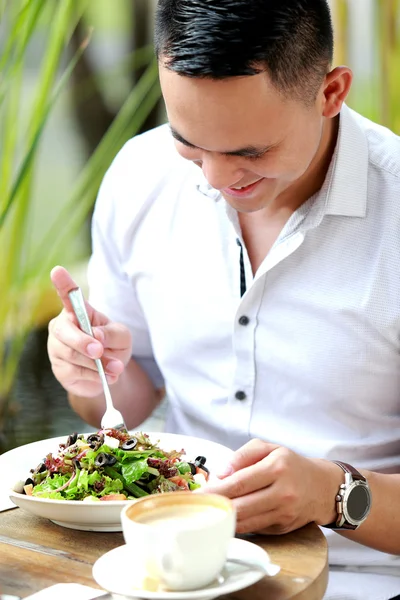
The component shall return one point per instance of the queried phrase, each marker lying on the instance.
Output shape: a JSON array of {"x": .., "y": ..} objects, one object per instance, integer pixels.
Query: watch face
[{"x": 358, "y": 502}]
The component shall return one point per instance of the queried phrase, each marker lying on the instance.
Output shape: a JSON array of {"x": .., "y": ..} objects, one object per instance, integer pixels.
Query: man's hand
[
  {"x": 276, "y": 491},
  {"x": 72, "y": 351}
]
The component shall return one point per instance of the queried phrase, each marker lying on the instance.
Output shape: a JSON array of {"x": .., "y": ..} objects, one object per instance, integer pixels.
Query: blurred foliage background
[{"x": 77, "y": 79}]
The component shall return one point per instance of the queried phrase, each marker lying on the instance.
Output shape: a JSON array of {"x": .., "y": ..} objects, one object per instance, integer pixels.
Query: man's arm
[
  {"x": 72, "y": 353},
  {"x": 276, "y": 491},
  {"x": 381, "y": 529},
  {"x": 133, "y": 394}
]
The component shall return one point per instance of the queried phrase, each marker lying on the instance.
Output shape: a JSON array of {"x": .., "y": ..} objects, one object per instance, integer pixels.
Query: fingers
[
  {"x": 71, "y": 353},
  {"x": 73, "y": 373},
  {"x": 70, "y": 335},
  {"x": 67, "y": 342},
  {"x": 64, "y": 284},
  {"x": 270, "y": 489},
  {"x": 62, "y": 352},
  {"x": 244, "y": 482},
  {"x": 114, "y": 336},
  {"x": 79, "y": 380},
  {"x": 254, "y": 504},
  {"x": 260, "y": 503},
  {"x": 248, "y": 455},
  {"x": 77, "y": 373},
  {"x": 266, "y": 523}
]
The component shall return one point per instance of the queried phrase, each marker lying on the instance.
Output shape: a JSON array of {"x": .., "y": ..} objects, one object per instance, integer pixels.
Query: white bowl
[{"x": 93, "y": 516}]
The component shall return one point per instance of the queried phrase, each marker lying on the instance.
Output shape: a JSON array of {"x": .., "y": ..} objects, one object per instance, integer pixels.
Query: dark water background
[
  {"x": 40, "y": 406},
  {"x": 40, "y": 403}
]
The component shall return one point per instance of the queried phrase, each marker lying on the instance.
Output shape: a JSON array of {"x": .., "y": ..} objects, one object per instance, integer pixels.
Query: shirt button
[
  {"x": 240, "y": 395},
  {"x": 244, "y": 320}
]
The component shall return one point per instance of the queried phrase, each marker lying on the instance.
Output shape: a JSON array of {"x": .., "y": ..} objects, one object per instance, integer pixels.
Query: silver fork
[{"x": 112, "y": 418}]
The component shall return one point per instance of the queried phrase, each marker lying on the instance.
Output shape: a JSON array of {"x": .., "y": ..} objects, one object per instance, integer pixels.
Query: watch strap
[
  {"x": 349, "y": 469},
  {"x": 346, "y": 525},
  {"x": 356, "y": 475}
]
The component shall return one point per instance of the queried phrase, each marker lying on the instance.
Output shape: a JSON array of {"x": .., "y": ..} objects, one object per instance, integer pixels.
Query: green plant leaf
[
  {"x": 135, "y": 110},
  {"x": 24, "y": 275}
]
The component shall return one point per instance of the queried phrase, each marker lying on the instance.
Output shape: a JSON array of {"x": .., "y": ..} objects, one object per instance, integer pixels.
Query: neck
[
  {"x": 305, "y": 187},
  {"x": 312, "y": 180}
]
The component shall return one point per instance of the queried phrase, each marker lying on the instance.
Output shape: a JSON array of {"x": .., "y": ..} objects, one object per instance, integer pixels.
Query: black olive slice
[
  {"x": 192, "y": 468},
  {"x": 203, "y": 468},
  {"x": 95, "y": 440},
  {"x": 129, "y": 444},
  {"x": 71, "y": 439},
  {"x": 200, "y": 461},
  {"x": 104, "y": 460},
  {"x": 101, "y": 460},
  {"x": 40, "y": 468}
]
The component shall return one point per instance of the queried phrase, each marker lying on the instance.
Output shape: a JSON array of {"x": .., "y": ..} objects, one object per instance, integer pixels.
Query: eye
[
  {"x": 256, "y": 156},
  {"x": 188, "y": 152}
]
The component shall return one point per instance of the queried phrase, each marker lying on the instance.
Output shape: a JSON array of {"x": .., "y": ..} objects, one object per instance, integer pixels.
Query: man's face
[{"x": 251, "y": 143}]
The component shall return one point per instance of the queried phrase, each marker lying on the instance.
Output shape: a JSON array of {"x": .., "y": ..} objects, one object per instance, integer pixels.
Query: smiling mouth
[{"x": 242, "y": 190}]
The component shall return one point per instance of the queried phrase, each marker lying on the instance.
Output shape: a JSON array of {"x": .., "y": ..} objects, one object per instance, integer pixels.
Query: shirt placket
[{"x": 242, "y": 393}]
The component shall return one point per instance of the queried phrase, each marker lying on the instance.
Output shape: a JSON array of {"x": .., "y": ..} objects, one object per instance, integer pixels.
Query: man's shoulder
[
  {"x": 156, "y": 139},
  {"x": 151, "y": 152},
  {"x": 383, "y": 146},
  {"x": 147, "y": 173}
]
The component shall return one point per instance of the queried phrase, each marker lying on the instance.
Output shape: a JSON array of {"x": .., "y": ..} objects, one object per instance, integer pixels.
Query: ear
[{"x": 335, "y": 91}]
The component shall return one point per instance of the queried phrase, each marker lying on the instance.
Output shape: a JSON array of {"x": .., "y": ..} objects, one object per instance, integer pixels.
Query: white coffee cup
[{"x": 179, "y": 540}]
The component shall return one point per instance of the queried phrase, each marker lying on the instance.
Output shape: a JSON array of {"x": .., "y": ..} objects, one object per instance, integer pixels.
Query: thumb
[
  {"x": 249, "y": 454},
  {"x": 64, "y": 284}
]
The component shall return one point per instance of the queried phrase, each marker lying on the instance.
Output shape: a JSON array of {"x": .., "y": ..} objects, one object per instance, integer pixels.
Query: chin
[{"x": 249, "y": 206}]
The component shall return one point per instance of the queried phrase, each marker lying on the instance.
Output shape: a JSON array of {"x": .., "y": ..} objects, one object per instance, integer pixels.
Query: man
[{"x": 257, "y": 279}]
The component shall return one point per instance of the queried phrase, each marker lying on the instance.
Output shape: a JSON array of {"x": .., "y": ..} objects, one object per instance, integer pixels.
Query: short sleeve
[{"x": 110, "y": 290}]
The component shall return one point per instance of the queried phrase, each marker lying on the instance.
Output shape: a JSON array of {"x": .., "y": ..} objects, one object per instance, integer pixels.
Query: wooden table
[{"x": 35, "y": 553}]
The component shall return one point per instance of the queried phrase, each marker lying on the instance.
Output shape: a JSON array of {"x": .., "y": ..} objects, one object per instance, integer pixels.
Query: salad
[{"x": 110, "y": 465}]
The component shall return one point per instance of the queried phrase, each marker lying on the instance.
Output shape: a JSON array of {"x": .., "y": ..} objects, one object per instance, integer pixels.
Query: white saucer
[{"x": 114, "y": 572}]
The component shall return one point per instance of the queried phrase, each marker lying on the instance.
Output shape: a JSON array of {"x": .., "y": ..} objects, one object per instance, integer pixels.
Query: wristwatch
[{"x": 353, "y": 500}]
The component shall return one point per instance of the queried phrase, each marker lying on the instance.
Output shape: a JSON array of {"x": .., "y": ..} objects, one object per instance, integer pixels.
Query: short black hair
[{"x": 291, "y": 40}]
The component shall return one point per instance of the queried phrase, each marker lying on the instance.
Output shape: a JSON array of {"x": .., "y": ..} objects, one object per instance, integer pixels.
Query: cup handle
[
  {"x": 265, "y": 566},
  {"x": 170, "y": 561}
]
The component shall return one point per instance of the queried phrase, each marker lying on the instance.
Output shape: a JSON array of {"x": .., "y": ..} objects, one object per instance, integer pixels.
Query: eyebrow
[{"x": 247, "y": 151}]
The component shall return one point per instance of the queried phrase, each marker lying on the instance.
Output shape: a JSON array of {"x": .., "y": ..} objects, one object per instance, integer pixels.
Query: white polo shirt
[{"x": 315, "y": 365}]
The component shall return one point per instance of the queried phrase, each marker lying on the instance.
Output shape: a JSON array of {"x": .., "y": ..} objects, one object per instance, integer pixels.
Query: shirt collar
[
  {"x": 205, "y": 188},
  {"x": 347, "y": 193},
  {"x": 345, "y": 187}
]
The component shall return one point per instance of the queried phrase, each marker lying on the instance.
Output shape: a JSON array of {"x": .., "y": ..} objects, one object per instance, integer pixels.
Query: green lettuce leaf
[
  {"x": 90, "y": 456},
  {"x": 52, "y": 495},
  {"x": 128, "y": 455},
  {"x": 50, "y": 484},
  {"x": 183, "y": 467},
  {"x": 193, "y": 485},
  {"x": 133, "y": 470},
  {"x": 112, "y": 486}
]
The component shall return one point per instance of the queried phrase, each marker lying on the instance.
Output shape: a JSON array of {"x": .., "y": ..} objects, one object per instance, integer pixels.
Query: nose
[{"x": 221, "y": 171}]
